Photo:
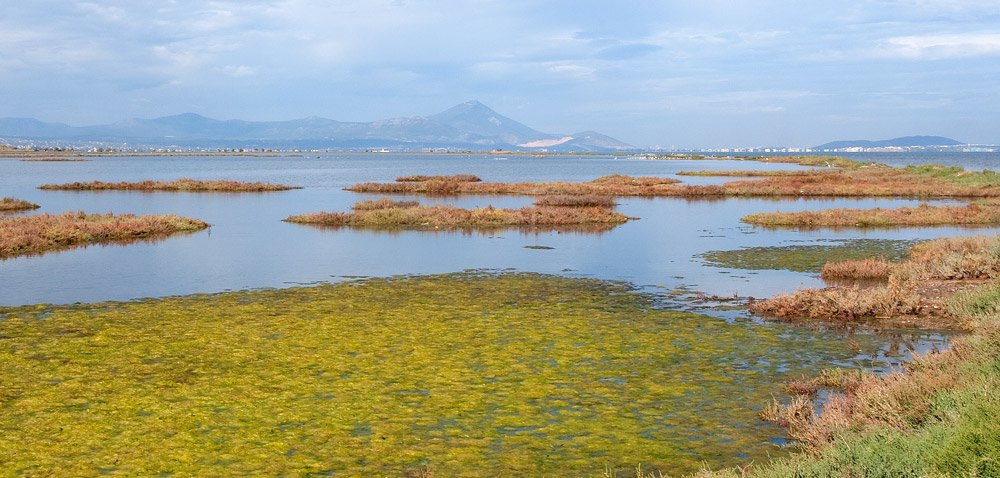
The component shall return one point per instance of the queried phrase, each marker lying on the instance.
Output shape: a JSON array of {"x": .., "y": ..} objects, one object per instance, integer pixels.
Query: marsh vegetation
[
  {"x": 41, "y": 233},
  {"x": 9, "y": 204},
  {"x": 185, "y": 184},
  {"x": 389, "y": 214}
]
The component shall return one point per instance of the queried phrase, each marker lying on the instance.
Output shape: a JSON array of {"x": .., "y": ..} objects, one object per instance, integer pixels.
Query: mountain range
[
  {"x": 470, "y": 125},
  {"x": 903, "y": 142}
]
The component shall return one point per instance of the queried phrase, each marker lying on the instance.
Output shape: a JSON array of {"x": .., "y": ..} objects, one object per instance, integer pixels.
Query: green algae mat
[
  {"x": 808, "y": 258},
  {"x": 454, "y": 375}
]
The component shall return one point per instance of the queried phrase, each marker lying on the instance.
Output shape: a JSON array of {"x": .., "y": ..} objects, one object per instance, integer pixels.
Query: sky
[{"x": 683, "y": 74}]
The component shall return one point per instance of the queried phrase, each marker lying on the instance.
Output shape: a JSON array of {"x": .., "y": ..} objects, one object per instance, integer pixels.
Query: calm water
[{"x": 249, "y": 247}]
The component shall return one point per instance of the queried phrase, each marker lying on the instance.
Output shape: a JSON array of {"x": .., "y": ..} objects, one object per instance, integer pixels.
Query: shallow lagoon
[
  {"x": 727, "y": 365},
  {"x": 518, "y": 374},
  {"x": 249, "y": 247}
]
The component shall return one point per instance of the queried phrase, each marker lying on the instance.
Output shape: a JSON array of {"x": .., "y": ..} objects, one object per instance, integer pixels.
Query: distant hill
[
  {"x": 470, "y": 125},
  {"x": 903, "y": 142}
]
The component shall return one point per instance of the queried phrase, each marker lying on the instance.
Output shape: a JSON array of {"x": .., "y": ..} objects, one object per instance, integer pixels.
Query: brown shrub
[{"x": 843, "y": 303}]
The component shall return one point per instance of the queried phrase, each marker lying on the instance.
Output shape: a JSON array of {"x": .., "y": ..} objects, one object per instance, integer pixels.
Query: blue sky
[{"x": 688, "y": 74}]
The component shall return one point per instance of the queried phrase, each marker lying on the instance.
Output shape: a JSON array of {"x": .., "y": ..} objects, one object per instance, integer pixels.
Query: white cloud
[
  {"x": 237, "y": 71},
  {"x": 935, "y": 47}
]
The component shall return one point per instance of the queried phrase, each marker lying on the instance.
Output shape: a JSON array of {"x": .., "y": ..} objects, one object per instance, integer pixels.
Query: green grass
[
  {"x": 807, "y": 258},
  {"x": 958, "y": 175},
  {"x": 467, "y": 374}
]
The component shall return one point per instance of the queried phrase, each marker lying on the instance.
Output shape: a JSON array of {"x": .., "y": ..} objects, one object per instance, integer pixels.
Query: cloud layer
[{"x": 667, "y": 73}]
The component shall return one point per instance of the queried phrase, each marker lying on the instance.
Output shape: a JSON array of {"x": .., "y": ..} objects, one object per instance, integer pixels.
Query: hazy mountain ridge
[
  {"x": 901, "y": 142},
  {"x": 470, "y": 125}
]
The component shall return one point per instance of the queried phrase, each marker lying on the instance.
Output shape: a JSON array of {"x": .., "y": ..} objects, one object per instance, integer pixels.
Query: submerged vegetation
[
  {"x": 511, "y": 374},
  {"x": 388, "y": 214},
  {"x": 13, "y": 204},
  {"x": 49, "y": 232},
  {"x": 808, "y": 257},
  {"x": 184, "y": 184},
  {"x": 983, "y": 213}
]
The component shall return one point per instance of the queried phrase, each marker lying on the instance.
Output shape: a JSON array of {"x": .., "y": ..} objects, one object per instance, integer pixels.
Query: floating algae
[
  {"x": 463, "y": 374},
  {"x": 808, "y": 258}
]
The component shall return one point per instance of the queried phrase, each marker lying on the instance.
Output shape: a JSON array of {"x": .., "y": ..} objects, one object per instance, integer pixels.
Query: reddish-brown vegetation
[
  {"x": 450, "y": 217},
  {"x": 985, "y": 213},
  {"x": 14, "y": 204},
  {"x": 858, "y": 182},
  {"x": 184, "y": 184},
  {"x": 863, "y": 269},
  {"x": 461, "y": 178},
  {"x": 576, "y": 201},
  {"x": 384, "y": 203},
  {"x": 47, "y": 232},
  {"x": 914, "y": 291},
  {"x": 614, "y": 185}
]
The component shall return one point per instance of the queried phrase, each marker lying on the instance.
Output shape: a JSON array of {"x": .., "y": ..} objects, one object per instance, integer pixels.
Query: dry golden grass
[
  {"x": 14, "y": 204},
  {"x": 981, "y": 214},
  {"x": 863, "y": 269},
  {"x": 184, "y": 184},
  {"x": 450, "y": 217},
  {"x": 841, "y": 182},
  {"x": 47, "y": 232},
  {"x": 848, "y": 303}
]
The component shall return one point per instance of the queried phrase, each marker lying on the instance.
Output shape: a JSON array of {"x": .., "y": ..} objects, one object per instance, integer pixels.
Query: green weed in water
[
  {"x": 807, "y": 258},
  {"x": 467, "y": 374}
]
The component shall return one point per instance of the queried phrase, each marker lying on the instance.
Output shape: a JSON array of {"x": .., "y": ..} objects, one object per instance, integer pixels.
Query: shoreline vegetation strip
[
  {"x": 862, "y": 181},
  {"x": 980, "y": 213},
  {"x": 41, "y": 233},
  {"x": 184, "y": 184}
]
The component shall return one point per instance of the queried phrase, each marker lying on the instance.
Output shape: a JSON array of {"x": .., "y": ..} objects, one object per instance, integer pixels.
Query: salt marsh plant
[
  {"x": 185, "y": 184},
  {"x": 49, "y": 232},
  {"x": 9, "y": 204},
  {"x": 862, "y": 181},
  {"x": 411, "y": 216}
]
